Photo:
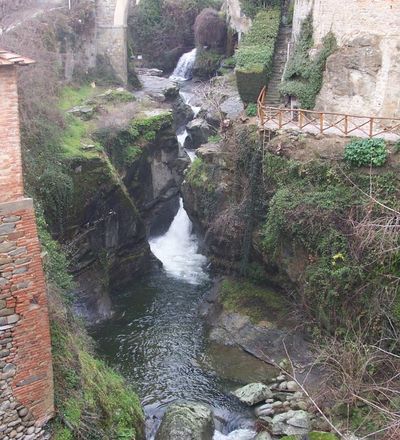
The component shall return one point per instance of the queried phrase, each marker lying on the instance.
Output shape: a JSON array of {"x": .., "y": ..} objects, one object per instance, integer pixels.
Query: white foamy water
[
  {"x": 240, "y": 434},
  {"x": 188, "y": 98},
  {"x": 177, "y": 249},
  {"x": 184, "y": 68}
]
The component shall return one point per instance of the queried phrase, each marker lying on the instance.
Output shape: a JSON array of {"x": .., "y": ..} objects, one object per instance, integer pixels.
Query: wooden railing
[{"x": 326, "y": 122}]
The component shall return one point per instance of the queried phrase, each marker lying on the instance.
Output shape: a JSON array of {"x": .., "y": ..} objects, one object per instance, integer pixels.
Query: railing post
[
  {"x": 301, "y": 119},
  {"x": 371, "y": 127},
  {"x": 321, "y": 123},
  {"x": 280, "y": 119},
  {"x": 346, "y": 124}
]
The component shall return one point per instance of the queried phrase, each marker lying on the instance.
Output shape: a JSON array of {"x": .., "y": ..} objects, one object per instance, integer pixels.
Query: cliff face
[
  {"x": 361, "y": 75},
  {"x": 125, "y": 173},
  {"x": 289, "y": 215}
]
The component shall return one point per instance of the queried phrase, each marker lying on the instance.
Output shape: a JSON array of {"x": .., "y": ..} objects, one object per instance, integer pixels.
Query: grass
[
  {"x": 75, "y": 136},
  {"x": 92, "y": 400},
  {"x": 72, "y": 96},
  {"x": 257, "y": 302}
]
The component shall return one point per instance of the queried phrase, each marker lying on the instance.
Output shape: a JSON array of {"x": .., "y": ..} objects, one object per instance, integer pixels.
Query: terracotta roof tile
[{"x": 9, "y": 58}]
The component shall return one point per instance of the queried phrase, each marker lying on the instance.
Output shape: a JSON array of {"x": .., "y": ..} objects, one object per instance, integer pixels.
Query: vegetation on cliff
[
  {"x": 324, "y": 230},
  {"x": 92, "y": 400},
  {"x": 304, "y": 73}
]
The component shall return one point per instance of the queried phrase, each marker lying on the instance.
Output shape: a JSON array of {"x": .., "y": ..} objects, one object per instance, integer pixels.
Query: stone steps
[{"x": 273, "y": 96}]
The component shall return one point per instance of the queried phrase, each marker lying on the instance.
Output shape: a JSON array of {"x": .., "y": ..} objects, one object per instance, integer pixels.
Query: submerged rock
[
  {"x": 253, "y": 393},
  {"x": 186, "y": 421}
]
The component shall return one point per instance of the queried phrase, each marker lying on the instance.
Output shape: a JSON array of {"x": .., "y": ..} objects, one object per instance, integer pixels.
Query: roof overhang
[{"x": 9, "y": 59}]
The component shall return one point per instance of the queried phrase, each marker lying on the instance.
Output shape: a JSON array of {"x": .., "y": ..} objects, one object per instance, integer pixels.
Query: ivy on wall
[{"x": 304, "y": 73}]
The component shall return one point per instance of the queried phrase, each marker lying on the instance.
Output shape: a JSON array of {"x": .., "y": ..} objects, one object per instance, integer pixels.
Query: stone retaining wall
[{"x": 26, "y": 381}]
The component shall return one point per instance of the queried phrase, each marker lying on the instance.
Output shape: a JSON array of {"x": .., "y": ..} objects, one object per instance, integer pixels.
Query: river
[{"x": 157, "y": 339}]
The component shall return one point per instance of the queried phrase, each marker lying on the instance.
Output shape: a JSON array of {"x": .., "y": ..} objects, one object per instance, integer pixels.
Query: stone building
[
  {"x": 363, "y": 75},
  {"x": 26, "y": 377}
]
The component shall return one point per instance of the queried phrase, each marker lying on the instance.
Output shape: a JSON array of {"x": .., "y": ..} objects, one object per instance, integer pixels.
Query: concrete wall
[
  {"x": 362, "y": 77},
  {"x": 26, "y": 380},
  {"x": 111, "y": 23}
]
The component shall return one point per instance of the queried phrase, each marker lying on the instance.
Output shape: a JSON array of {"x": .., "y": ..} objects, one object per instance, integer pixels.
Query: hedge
[{"x": 254, "y": 58}]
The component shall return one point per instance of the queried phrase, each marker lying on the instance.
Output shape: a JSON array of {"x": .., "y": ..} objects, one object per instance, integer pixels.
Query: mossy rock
[
  {"x": 256, "y": 301},
  {"x": 316, "y": 435},
  {"x": 207, "y": 63}
]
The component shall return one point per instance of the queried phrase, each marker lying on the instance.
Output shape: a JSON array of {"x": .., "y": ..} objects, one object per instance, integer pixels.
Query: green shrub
[
  {"x": 251, "y": 109},
  {"x": 251, "y": 7},
  {"x": 254, "y": 58},
  {"x": 304, "y": 75},
  {"x": 207, "y": 63},
  {"x": 366, "y": 152},
  {"x": 158, "y": 27}
]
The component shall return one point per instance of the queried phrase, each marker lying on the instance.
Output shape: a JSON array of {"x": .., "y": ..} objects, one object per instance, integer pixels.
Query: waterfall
[
  {"x": 177, "y": 249},
  {"x": 184, "y": 68}
]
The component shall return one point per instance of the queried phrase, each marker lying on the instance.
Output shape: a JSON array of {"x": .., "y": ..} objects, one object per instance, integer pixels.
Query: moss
[
  {"x": 73, "y": 96},
  {"x": 197, "y": 174},
  {"x": 54, "y": 260},
  {"x": 314, "y": 436},
  {"x": 207, "y": 63},
  {"x": 125, "y": 145},
  {"x": 254, "y": 57},
  {"x": 250, "y": 299}
]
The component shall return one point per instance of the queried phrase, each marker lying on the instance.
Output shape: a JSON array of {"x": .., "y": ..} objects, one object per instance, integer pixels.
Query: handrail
[{"x": 321, "y": 121}]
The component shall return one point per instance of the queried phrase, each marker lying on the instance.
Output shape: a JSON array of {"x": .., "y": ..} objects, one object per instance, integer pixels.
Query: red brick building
[{"x": 26, "y": 378}]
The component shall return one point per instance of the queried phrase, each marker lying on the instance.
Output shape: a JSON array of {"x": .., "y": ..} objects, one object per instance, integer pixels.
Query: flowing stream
[{"x": 157, "y": 338}]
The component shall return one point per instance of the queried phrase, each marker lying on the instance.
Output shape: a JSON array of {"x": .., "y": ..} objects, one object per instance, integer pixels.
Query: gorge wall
[
  {"x": 26, "y": 378},
  {"x": 361, "y": 75}
]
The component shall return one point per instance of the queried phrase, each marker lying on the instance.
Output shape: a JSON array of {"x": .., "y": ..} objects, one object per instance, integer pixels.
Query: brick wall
[
  {"x": 11, "y": 187},
  {"x": 26, "y": 379}
]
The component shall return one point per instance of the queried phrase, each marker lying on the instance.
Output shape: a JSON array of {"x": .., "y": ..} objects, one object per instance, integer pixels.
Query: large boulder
[
  {"x": 182, "y": 112},
  {"x": 291, "y": 423},
  {"x": 187, "y": 421},
  {"x": 199, "y": 131},
  {"x": 253, "y": 393}
]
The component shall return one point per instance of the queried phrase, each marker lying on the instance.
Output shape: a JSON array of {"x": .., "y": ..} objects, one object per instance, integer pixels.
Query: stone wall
[
  {"x": 362, "y": 76},
  {"x": 236, "y": 19},
  {"x": 26, "y": 380},
  {"x": 111, "y": 23}
]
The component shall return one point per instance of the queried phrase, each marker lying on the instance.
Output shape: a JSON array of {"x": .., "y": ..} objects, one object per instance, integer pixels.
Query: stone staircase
[{"x": 273, "y": 98}]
